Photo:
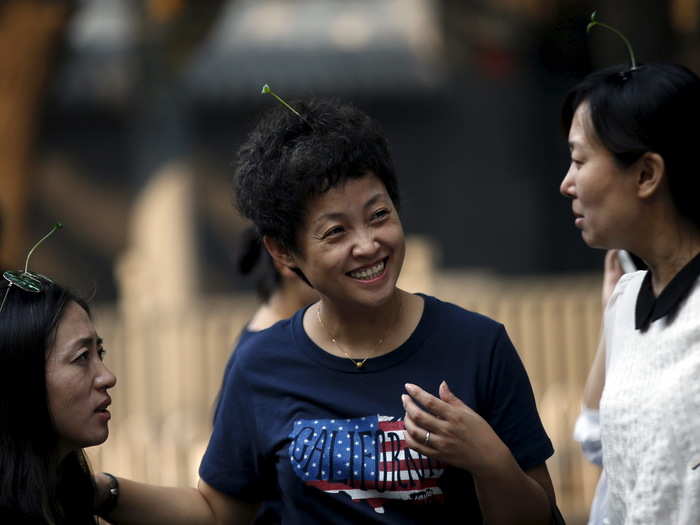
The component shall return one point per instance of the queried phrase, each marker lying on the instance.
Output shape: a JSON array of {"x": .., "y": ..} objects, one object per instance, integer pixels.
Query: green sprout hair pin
[
  {"x": 25, "y": 280},
  {"x": 266, "y": 90},
  {"x": 595, "y": 22}
]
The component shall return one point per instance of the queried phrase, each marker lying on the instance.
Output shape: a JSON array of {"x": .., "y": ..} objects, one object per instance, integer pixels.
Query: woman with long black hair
[{"x": 53, "y": 402}]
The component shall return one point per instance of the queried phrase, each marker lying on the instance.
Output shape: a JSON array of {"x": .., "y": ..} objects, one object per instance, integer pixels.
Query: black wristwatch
[{"x": 112, "y": 496}]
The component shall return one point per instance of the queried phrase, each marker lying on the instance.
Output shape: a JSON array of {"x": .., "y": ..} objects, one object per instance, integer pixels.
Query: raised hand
[{"x": 448, "y": 430}]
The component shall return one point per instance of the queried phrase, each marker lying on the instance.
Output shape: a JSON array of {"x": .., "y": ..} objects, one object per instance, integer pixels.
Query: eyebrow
[
  {"x": 334, "y": 216},
  {"x": 373, "y": 200},
  {"x": 577, "y": 144},
  {"x": 85, "y": 341}
]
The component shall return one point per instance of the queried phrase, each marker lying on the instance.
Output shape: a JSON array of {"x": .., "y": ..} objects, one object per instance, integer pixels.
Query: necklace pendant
[{"x": 359, "y": 364}]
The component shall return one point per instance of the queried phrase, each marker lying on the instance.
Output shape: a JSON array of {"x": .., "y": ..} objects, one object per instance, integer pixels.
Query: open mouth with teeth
[{"x": 369, "y": 273}]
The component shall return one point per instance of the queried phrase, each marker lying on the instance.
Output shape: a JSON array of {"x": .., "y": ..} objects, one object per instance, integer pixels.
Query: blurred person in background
[
  {"x": 53, "y": 402},
  {"x": 312, "y": 418},
  {"x": 281, "y": 291},
  {"x": 633, "y": 185}
]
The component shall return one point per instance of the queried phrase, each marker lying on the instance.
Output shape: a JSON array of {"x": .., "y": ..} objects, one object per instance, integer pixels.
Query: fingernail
[
  {"x": 403, "y": 400},
  {"x": 410, "y": 388},
  {"x": 445, "y": 384}
]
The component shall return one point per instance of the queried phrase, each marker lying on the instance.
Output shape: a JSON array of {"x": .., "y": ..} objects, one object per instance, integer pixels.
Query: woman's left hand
[{"x": 458, "y": 436}]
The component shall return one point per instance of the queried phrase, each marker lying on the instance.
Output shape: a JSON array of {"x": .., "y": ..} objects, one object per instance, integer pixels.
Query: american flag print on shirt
[{"x": 367, "y": 458}]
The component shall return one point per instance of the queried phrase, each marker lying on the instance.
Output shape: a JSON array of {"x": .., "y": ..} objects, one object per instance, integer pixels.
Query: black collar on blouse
[{"x": 650, "y": 308}]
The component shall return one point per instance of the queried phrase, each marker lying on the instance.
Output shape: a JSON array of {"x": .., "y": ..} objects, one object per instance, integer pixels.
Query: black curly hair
[{"x": 287, "y": 160}]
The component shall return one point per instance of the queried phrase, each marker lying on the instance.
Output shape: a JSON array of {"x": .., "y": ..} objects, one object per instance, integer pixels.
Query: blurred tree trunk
[
  {"x": 170, "y": 33},
  {"x": 29, "y": 31}
]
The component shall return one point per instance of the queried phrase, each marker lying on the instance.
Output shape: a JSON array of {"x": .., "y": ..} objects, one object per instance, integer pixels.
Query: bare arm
[
  {"x": 143, "y": 504},
  {"x": 596, "y": 375},
  {"x": 463, "y": 439},
  {"x": 529, "y": 495},
  {"x": 595, "y": 382}
]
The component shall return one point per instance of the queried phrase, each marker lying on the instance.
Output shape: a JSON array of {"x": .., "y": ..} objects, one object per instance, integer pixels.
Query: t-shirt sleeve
[
  {"x": 510, "y": 406},
  {"x": 234, "y": 462}
]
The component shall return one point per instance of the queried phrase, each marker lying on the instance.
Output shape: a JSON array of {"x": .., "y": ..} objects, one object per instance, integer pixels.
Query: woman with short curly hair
[{"x": 372, "y": 404}]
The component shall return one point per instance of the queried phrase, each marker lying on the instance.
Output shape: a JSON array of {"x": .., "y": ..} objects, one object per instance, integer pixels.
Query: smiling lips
[{"x": 369, "y": 272}]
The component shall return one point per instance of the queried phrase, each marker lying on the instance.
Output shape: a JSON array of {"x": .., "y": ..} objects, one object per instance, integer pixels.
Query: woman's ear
[
  {"x": 285, "y": 271},
  {"x": 651, "y": 174},
  {"x": 280, "y": 255}
]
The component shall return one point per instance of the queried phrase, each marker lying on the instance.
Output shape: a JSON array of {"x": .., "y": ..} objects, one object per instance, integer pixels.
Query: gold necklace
[{"x": 357, "y": 363}]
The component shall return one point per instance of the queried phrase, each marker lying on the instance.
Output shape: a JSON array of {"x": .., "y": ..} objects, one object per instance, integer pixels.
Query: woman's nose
[
  {"x": 366, "y": 243},
  {"x": 566, "y": 188},
  {"x": 106, "y": 379}
]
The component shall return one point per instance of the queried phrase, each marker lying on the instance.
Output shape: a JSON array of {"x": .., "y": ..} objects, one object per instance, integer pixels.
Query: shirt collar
[{"x": 650, "y": 308}]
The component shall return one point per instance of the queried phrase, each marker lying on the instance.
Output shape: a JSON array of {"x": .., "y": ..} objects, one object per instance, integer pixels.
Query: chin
[
  {"x": 592, "y": 242},
  {"x": 374, "y": 299},
  {"x": 95, "y": 439}
]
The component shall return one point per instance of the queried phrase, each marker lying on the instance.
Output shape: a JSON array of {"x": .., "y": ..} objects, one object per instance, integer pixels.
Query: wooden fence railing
[{"x": 169, "y": 370}]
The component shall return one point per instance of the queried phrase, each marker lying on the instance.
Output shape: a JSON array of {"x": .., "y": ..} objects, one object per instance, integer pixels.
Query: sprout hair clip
[
  {"x": 266, "y": 90},
  {"x": 624, "y": 75},
  {"x": 25, "y": 280}
]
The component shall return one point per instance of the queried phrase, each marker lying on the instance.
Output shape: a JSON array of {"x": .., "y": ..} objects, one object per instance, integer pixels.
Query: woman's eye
[
  {"x": 380, "y": 214},
  {"x": 576, "y": 162},
  {"x": 81, "y": 357},
  {"x": 336, "y": 230},
  {"x": 101, "y": 353}
]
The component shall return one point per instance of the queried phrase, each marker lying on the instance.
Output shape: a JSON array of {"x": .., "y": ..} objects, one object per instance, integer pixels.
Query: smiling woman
[
  {"x": 313, "y": 424},
  {"x": 53, "y": 402},
  {"x": 321, "y": 189},
  {"x": 323, "y": 194}
]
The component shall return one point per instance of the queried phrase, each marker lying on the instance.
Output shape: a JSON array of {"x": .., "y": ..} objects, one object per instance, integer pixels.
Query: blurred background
[{"x": 121, "y": 119}]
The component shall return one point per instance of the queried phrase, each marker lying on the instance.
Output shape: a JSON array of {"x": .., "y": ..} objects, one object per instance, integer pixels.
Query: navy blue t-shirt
[
  {"x": 323, "y": 440},
  {"x": 240, "y": 340}
]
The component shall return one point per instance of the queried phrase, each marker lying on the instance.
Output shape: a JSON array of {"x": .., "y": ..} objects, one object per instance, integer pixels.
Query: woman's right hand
[{"x": 445, "y": 428}]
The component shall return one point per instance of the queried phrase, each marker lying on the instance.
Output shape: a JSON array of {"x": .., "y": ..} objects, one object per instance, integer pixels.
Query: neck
[
  {"x": 668, "y": 249},
  {"x": 360, "y": 330}
]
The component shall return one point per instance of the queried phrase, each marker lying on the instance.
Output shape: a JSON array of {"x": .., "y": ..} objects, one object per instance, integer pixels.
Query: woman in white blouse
[{"x": 633, "y": 185}]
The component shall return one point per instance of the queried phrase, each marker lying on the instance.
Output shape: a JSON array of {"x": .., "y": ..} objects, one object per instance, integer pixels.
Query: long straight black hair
[{"x": 32, "y": 487}]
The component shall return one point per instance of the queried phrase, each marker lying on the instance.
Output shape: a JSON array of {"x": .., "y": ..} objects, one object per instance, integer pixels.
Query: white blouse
[{"x": 650, "y": 411}]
